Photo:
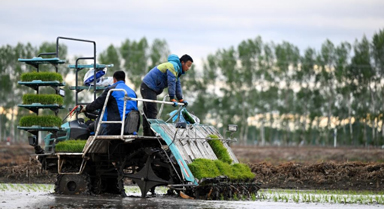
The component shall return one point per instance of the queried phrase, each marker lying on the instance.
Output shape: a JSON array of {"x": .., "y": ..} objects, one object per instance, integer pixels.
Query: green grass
[
  {"x": 43, "y": 76},
  {"x": 205, "y": 168},
  {"x": 219, "y": 149},
  {"x": 43, "y": 99},
  {"x": 44, "y": 121},
  {"x": 70, "y": 146}
]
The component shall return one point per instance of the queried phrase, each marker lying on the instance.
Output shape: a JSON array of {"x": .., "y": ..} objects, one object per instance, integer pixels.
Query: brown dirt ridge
[
  {"x": 324, "y": 168},
  {"x": 321, "y": 168},
  {"x": 321, "y": 176}
]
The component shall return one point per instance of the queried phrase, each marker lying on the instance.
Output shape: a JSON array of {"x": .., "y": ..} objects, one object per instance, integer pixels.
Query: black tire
[
  {"x": 72, "y": 184},
  {"x": 102, "y": 185}
]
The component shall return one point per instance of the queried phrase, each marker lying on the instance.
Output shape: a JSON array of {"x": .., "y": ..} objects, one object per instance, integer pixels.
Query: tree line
[{"x": 274, "y": 93}]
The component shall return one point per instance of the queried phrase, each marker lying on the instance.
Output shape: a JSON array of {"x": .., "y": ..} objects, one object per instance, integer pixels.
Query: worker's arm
[
  {"x": 179, "y": 92},
  {"x": 98, "y": 103},
  {"x": 172, "y": 80}
]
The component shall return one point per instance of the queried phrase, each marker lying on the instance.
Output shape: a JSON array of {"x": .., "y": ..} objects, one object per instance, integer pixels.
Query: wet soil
[
  {"x": 275, "y": 167},
  {"x": 325, "y": 168}
]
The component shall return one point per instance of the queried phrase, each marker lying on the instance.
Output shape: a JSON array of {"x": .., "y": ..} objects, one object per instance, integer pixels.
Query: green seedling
[
  {"x": 235, "y": 197},
  {"x": 44, "y": 121},
  {"x": 333, "y": 197},
  {"x": 43, "y": 99},
  {"x": 70, "y": 146},
  {"x": 253, "y": 197},
  {"x": 43, "y": 76},
  {"x": 219, "y": 149},
  {"x": 205, "y": 168}
]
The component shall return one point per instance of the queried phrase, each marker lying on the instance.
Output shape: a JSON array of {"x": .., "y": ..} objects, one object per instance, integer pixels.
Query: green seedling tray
[
  {"x": 41, "y": 76},
  {"x": 98, "y": 66},
  {"x": 36, "y": 61}
]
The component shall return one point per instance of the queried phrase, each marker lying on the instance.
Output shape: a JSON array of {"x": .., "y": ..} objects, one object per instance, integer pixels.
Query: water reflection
[
  {"x": 112, "y": 201},
  {"x": 52, "y": 201}
]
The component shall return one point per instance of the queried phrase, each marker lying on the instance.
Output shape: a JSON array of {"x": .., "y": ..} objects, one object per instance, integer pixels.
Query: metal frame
[
  {"x": 56, "y": 53},
  {"x": 60, "y": 163},
  {"x": 127, "y": 138},
  {"x": 122, "y": 122}
]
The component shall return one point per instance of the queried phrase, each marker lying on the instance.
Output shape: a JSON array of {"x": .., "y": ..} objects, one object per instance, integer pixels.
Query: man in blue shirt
[
  {"x": 165, "y": 75},
  {"x": 114, "y": 109}
]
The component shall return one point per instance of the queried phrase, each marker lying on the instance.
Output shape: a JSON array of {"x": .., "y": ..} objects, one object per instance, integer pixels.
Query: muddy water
[{"x": 45, "y": 199}]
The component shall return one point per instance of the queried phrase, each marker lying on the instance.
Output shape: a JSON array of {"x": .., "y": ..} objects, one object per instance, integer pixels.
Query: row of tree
[
  {"x": 275, "y": 94},
  {"x": 316, "y": 97}
]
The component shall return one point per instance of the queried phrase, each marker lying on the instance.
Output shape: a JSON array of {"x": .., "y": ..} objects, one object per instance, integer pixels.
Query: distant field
[{"x": 277, "y": 155}]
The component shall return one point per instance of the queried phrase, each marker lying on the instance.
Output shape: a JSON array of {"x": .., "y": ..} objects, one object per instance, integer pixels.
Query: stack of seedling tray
[{"x": 34, "y": 102}]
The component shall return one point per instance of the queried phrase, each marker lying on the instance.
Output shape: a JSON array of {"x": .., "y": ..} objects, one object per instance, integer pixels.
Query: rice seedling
[
  {"x": 44, "y": 121},
  {"x": 20, "y": 188},
  {"x": 132, "y": 189},
  {"x": 296, "y": 198},
  {"x": 4, "y": 187},
  {"x": 253, "y": 197},
  {"x": 205, "y": 168},
  {"x": 43, "y": 76},
  {"x": 221, "y": 197},
  {"x": 235, "y": 197},
  {"x": 275, "y": 198},
  {"x": 43, "y": 99},
  {"x": 34, "y": 188},
  {"x": 219, "y": 149},
  {"x": 330, "y": 197},
  {"x": 70, "y": 146}
]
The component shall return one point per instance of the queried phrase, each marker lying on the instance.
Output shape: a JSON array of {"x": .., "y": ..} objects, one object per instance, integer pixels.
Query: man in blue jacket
[
  {"x": 165, "y": 75},
  {"x": 114, "y": 109}
]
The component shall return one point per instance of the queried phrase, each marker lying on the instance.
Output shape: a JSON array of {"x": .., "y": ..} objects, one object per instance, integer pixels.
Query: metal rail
[
  {"x": 122, "y": 122},
  {"x": 60, "y": 163},
  {"x": 161, "y": 108},
  {"x": 154, "y": 101}
]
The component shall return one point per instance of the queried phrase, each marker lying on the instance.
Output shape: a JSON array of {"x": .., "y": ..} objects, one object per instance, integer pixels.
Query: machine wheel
[
  {"x": 105, "y": 185},
  {"x": 149, "y": 167},
  {"x": 71, "y": 184}
]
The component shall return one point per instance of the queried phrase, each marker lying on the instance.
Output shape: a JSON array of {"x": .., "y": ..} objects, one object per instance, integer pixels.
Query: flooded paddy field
[
  {"x": 290, "y": 177},
  {"x": 42, "y": 196}
]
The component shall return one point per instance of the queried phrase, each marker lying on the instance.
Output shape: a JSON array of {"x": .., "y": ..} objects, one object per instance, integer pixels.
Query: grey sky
[{"x": 195, "y": 27}]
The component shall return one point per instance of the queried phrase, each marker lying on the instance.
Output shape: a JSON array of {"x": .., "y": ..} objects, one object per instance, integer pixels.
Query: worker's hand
[
  {"x": 174, "y": 102},
  {"x": 82, "y": 108},
  {"x": 183, "y": 101}
]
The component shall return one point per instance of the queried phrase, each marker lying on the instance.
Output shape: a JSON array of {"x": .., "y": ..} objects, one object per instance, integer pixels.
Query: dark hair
[
  {"x": 119, "y": 75},
  {"x": 186, "y": 58}
]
